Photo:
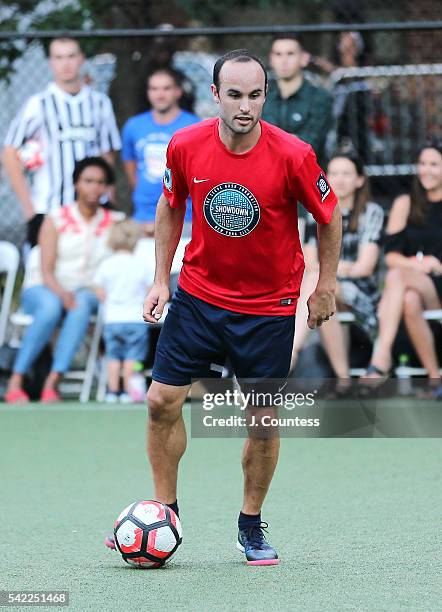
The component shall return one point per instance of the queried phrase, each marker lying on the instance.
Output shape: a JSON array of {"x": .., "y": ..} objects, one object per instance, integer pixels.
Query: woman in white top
[{"x": 72, "y": 242}]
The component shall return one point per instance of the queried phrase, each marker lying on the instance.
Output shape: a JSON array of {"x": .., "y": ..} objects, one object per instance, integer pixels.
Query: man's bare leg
[
  {"x": 166, "y": 437},
  {"x": 259, "y": 459}
]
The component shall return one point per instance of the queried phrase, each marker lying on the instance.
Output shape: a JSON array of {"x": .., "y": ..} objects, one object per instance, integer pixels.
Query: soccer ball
[
  {"x": 147, "y": 533},
  {"x": 31, "y": 155}
]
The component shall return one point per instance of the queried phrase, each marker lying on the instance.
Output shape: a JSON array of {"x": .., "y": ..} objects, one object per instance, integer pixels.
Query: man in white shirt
[{"x": 56, "y": 127}]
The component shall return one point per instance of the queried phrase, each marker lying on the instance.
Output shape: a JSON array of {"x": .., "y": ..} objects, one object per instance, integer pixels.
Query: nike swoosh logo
[{"x": 195, "y": 180}]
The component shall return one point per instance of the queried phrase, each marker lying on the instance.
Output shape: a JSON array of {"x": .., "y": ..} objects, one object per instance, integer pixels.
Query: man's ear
[
  {"x": 215, "y": 93},
  {"x": 305, "y": 59}
]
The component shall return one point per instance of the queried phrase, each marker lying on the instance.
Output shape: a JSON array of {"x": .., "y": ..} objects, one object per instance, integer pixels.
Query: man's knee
[{"x": 162, "y": 404}]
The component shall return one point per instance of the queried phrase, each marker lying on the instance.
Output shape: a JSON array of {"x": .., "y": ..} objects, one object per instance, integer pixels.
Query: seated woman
[
  {"x": 357, "y": 288},
  {"x": 413, "y": 283},
  {"x": 72, "y": 242}
]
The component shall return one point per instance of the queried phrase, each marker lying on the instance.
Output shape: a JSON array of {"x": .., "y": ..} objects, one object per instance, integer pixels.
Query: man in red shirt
[{"x": 241, "y": 274}]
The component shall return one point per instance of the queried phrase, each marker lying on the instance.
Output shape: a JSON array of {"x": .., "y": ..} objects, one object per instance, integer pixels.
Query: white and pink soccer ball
[
  {"x": 31, "y": 155},
  {"x": 147, "y": 534}
]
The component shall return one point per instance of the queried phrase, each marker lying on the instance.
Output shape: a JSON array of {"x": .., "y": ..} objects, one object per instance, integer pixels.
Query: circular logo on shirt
[{"x": 231, "y": 209}]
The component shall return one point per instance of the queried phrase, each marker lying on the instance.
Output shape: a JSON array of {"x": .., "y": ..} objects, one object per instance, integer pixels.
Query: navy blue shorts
[
  {"x": 197, "y": 337},
  {"x": 126, "y": 341}
]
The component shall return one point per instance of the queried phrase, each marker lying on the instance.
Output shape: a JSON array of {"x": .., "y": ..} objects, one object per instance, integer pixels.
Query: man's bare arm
[
  {"x": 321, "y": 303},
  {"x": 168, "y": 227},
  {"x": 130, "y": 167},
  {"x": 16, "y": 174}
]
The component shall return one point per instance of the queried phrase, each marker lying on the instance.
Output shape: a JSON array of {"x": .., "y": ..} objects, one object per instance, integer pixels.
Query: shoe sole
[
  {"x": 261, "y": 561},
  {"x": 109, "y": 544}
]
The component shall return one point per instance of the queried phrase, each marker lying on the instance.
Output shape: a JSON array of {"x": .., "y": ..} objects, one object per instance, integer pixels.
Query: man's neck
[
  {"x": 70, "y": 87},
  {"x": 238, "y": 143},
  {"x": 167, "y": 117},
  {"x": 288, "y": 87}
]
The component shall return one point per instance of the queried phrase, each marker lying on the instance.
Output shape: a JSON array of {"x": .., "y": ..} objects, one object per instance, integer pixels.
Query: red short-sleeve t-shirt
[{"x": 245, "y": 255}]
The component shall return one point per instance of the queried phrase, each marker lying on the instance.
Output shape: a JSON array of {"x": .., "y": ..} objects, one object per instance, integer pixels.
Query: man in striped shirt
[{"x": 64, "y": 123}]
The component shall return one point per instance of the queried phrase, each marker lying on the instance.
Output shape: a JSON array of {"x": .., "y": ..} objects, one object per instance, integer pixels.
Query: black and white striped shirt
[{"x": 68, "y": 128}]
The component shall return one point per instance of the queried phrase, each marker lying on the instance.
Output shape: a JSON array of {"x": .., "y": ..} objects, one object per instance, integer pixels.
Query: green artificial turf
[{"x": 356, "y": 521}]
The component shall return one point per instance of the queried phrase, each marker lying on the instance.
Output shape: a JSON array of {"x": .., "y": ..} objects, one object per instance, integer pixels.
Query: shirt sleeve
[
  {"x": 174, "y": 182},
  {"x": 25, "y": 124},
  {"x": 128, "y": 149},
  {"x": 109, "y": 134},
  {"x": 395, "y": 242},
  {"x": 313, "y": 189}
]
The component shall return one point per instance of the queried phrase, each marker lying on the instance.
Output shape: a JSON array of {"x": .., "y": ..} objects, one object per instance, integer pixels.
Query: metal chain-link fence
[{"x": 385, "y": 107}]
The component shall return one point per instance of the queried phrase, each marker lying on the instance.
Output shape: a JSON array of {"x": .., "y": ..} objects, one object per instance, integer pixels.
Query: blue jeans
[{"x": 47, "y": 310}]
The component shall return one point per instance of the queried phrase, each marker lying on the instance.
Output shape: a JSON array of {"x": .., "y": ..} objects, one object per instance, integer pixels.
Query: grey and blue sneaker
[{"x": 253, "y": 544}]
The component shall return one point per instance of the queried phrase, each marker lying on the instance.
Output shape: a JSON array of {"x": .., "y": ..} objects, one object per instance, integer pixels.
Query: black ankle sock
[
  {"x": 174, "y": 507},
  {"x": 247, "y": 520}
]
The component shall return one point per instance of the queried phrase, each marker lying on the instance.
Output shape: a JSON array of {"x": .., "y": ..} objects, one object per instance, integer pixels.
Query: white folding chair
[
  {"x": 76, "y": 380},
  {"x": 9, "y": 261}
]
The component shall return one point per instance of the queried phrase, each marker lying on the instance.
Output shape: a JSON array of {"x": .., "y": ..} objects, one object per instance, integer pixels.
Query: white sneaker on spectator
[
  {"x": 111, "y": 398},
  {"x": 125, "y": 398}
]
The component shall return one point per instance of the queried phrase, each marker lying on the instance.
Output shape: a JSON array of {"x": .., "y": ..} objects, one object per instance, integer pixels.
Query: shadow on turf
[{"x": 191, "y": 565}]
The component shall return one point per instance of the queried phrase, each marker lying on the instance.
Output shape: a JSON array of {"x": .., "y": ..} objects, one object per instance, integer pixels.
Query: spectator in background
[
  {"x": 357, "y": 117},
  {"x": 66, "y": 122},
  {"x": 293, "y": 103},
  {"x": 122, "y": 281},
  {"x": 145, "y": 140},
  {"x": 414, "y": 257},
  {"x": 349, "y": 53},
  {"x": 358, "y": 278},
  {"x": 73, "y": 242}
]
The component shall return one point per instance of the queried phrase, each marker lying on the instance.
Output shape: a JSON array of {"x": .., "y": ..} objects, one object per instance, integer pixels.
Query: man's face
[
  {"x": 65, "y": 60},
  {"x": 162, "y": 92},
  {"x": 287, "y": 58},
  {"x": 241, "y": 95}
]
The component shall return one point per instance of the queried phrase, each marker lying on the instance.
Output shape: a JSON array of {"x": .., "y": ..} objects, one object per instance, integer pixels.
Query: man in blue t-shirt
[{"x": 145, "y": 140}]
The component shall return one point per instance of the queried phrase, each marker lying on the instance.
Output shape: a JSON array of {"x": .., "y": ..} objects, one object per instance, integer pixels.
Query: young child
[{"x": 121, "y": 284}]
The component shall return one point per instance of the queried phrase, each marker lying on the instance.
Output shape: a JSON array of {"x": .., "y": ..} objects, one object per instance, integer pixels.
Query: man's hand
[
  {"x": 321, "y": 306},
  {"x": 154, "y": 303}
]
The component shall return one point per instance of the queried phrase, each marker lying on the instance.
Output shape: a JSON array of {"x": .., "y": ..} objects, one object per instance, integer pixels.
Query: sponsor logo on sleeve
[
  {"x": 323, "y": 187},
  {"x": 167, "y": 180}
]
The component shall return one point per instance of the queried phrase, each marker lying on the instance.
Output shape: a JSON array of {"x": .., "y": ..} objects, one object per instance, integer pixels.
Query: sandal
[
  {"x": 50, "y": 396},
  {"x": 343, "y": 389},
  {"x": 16, "y": 396},
  {"x": 372, "y": 369},
  {"x": 369, "y": 385},
  {"x": 430, "y": 392}
]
